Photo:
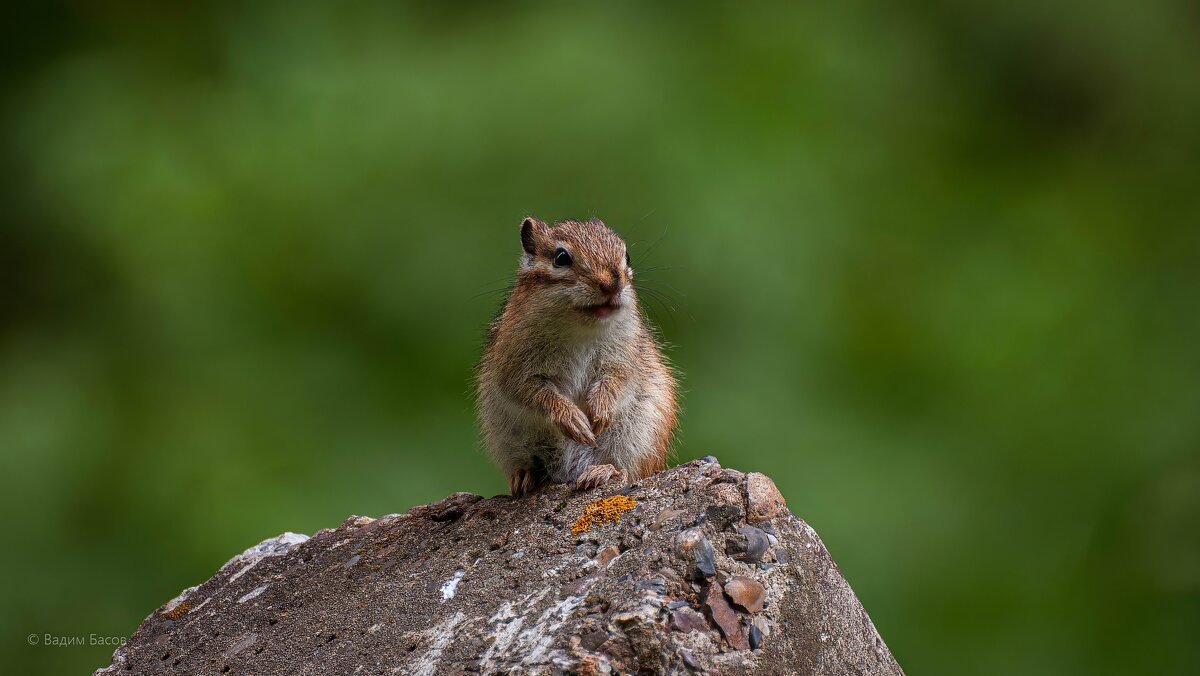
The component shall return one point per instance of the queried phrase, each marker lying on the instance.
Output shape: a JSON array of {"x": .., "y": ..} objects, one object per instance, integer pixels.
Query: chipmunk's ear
[{"x": 532, "y": 231}]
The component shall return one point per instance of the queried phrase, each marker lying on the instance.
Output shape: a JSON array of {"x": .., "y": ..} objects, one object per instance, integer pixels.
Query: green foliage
[{"x": 933, "y": 270}]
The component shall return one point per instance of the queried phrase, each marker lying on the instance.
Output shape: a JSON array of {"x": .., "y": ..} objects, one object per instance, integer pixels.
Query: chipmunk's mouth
[{"x": 599, "y": 311}]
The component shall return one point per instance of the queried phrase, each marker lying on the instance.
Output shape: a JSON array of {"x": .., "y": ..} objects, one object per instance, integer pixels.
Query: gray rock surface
[{"x": 695, "y": 569}]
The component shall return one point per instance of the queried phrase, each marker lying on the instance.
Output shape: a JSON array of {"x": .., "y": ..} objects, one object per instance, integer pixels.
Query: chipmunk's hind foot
[{"x": 597, "y": 475}]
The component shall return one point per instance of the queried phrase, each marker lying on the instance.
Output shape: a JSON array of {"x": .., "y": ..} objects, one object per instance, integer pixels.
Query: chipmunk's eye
[
  {"x": 561, "y": 258},
  {"x": 627, "y": 263}
]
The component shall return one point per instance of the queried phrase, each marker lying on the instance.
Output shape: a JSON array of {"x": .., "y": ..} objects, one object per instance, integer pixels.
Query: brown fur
[{"x": 561, "y": 389}]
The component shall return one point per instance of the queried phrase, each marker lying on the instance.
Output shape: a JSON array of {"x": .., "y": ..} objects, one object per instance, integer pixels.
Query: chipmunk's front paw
[
  {"x": 522, "y": 481},
  {"x": 597, "y": 475},
  {"x": 576, "y": 426}
]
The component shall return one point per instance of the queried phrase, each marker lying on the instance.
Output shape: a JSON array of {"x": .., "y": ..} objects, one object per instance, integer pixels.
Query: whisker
[
  {"x": 653, "y": 268},
  {"x": 662, "y": 314},
  {"x": 491, "y": 292},
  {"x": 661, "y": 297},
  {"x": 665, "y": 298},
  {"x": 643, "y": 254}
]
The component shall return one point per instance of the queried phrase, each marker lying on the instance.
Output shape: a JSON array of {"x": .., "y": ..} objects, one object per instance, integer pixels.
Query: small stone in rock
[
  {"x": 749, "y": 545},
  {"x": 763, "y": 498},
  {"x": 606, "y": 555},
  {"x": 747, "y": 593},
  {"x": 593, "y": 639},
  {"x": 686, "y": 619},
  {"x": 697, "y": 552},
  {"x": 724, "y": 616},
  {"x": 722, "y": 516},
  {"x": 657, "y": 584},
  {"x": 756, "y": 637}
]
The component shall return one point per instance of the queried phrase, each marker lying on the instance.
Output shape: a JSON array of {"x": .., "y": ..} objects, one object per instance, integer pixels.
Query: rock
[
  {"x": 728, "y": 476},
  {"x": 723, "y": 516},
  {"x": 663, "y": 516},
  {"x": 747, "y": 593},
  {"x": 606, "y": 555},
  {"x": 729, "y": 495},
  {"x": 749, "y": 545},
  {"x": 448, "y": 508},
  {"x": 756, "y": 637},
  {"x": 656, "y": 584},
  {"x": 473, "y": 585},
  {"x": 686, "y": 619},
  {"x": 725, "y": 617},
  {"x": 621, "y": 653},
  {"x": 763, "y": 498},
  {"x": 697, "y": 553},
  {"x": 593, "y": 639}
]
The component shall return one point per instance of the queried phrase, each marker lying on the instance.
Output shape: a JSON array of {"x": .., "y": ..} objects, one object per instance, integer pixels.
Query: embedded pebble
[
  {"x": 657, "y": 584},
  {"x": 618, "y": 647},
  {"x": 723, "y": 516},
  {"x": 450, "y": 587},
  {"x": 663, "y": 517},
  {"x": 749, "y": 545},
  {"x": 763, "y": 498},
  {"x": 725, "y": 617},
  {"x": 747, "y": 593},
  {"x": 606, "y": 555},
  {"x": 756, "y": 637},
  {"x": 592, "y": 640},
  {"x": 697, "y": 552},
  {"x": 686, "y": 619}
]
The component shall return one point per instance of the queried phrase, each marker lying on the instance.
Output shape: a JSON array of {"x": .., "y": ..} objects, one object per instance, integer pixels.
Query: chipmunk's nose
[{"x": 610, "y": 287}]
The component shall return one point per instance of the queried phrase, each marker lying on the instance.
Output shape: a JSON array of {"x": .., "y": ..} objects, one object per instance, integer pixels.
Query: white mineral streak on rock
[
  {"x": 450, "y": 588},
  {"x": 243, "y": 643},
  {"x": 535, "y": 642},
  {"x": 540, "y": 637},
  {"x": 276, "y": 546},
  {"x": 441, "y": 634},
  {"x": 251, "y": 594},
  {"x": 507, "y": 623}
]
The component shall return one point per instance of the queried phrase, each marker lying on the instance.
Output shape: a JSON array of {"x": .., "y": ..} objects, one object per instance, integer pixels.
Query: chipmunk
[{"x": 573, "y": 386}]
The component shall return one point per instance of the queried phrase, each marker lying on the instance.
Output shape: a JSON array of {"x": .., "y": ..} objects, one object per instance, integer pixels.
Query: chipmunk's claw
[
  {"x": 522, "y": 481},
  {"x": 578, "y": 428},
  {"x": 597, "y": 475}
]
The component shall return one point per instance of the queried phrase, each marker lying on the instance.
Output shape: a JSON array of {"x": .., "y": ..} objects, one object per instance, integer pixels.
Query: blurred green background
[{"x": 934, "y": 269}]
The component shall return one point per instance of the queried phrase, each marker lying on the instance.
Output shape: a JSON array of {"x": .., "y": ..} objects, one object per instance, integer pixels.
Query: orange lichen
[
  {"x": 178, "y": 611},
  {"x": 607, "y": 510}
]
